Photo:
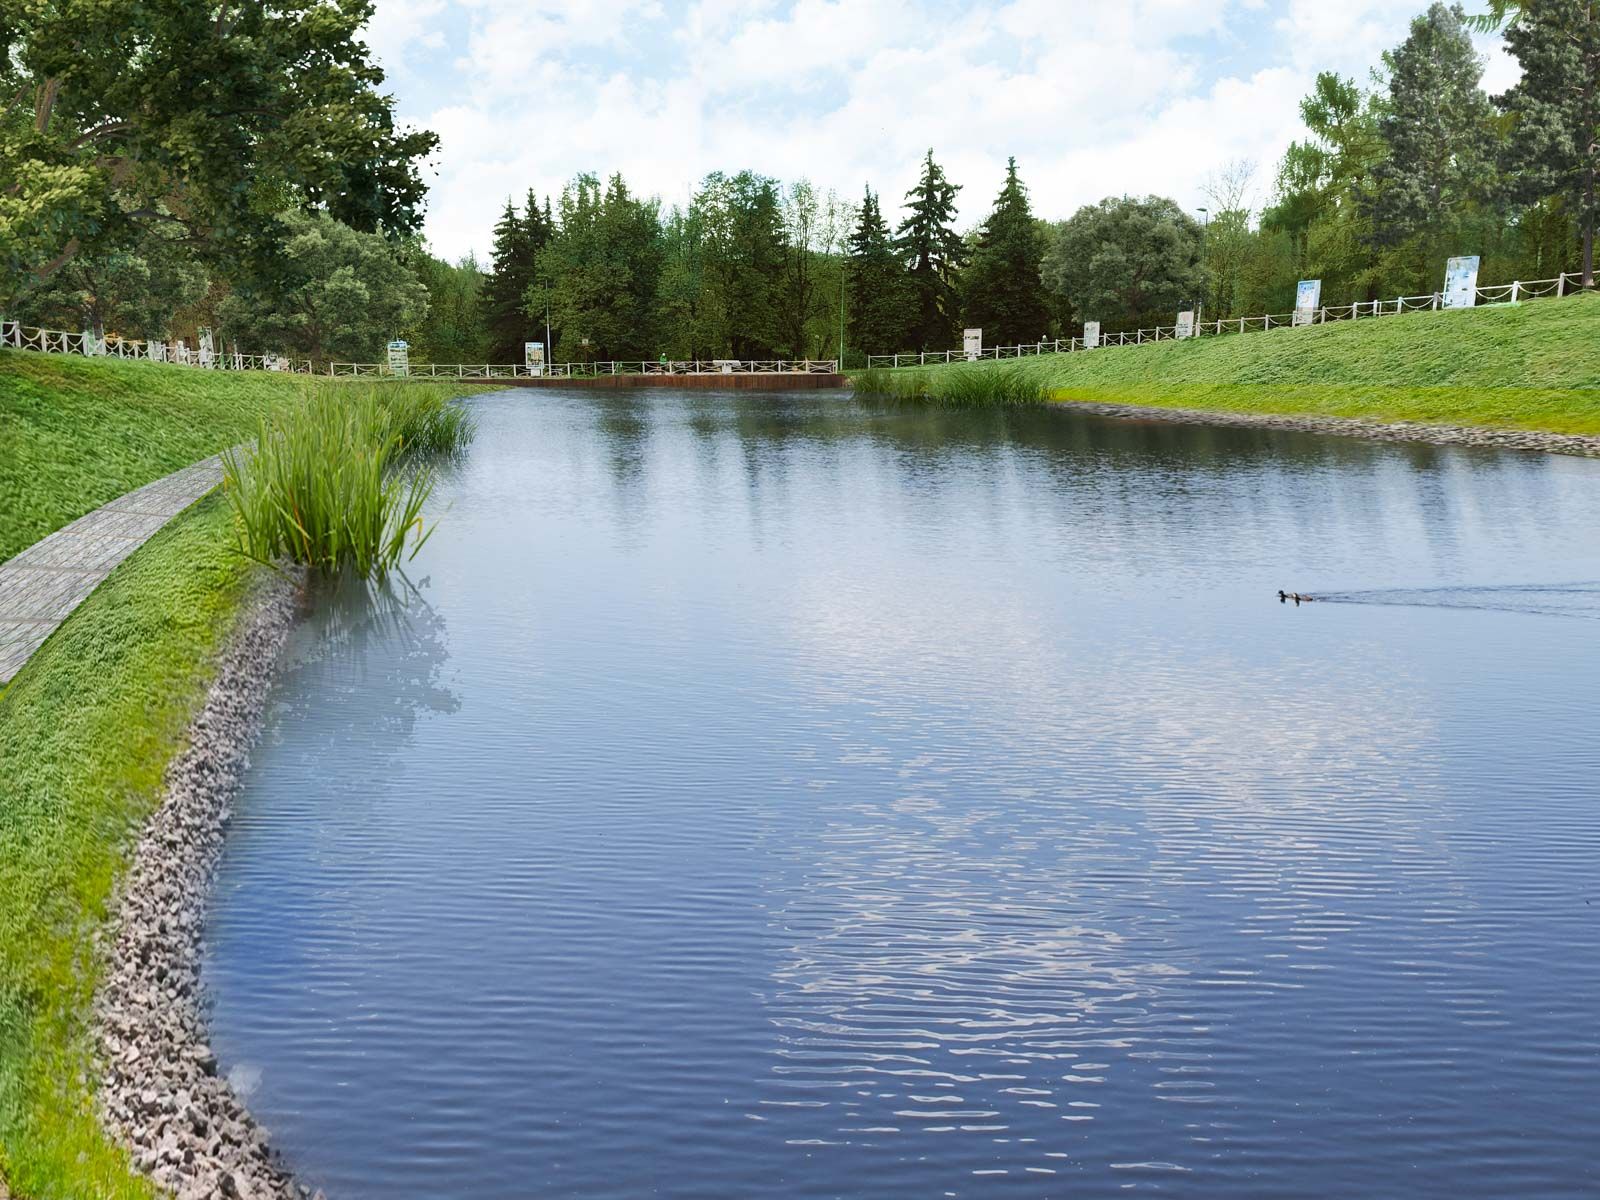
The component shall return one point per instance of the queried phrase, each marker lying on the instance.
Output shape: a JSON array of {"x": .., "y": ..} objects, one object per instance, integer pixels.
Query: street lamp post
[{"x": 1200, "y": 304}]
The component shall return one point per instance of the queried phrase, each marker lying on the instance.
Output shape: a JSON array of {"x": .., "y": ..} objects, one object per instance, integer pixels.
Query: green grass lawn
[
  {"x": 89, "y": 724},
  {"x": 86, "y": 731},
  {"x": 1533, "y": 366},
  {"x": 78, "y": 432}
]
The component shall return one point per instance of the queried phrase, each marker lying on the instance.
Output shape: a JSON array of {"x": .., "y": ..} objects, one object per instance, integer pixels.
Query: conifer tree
[
  {"x": 1005, "y": 295},
  {"x": 933, "y": 253},
  {"x": 1555, "y": 141},
  {"x": 1437, "y": 127},
  {"x": 510, "y": 273},
  {"x": 877, "y": 289}
]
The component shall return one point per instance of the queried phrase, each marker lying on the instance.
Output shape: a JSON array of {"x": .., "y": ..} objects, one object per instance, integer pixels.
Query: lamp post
[{"x": 1200, "y": 304}]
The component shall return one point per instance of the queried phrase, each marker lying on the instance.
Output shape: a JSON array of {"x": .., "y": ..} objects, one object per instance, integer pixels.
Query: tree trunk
[{"x": 1588, "y": 229}]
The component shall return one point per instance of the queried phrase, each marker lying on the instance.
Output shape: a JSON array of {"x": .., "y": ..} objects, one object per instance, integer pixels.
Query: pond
[{"x": 783, "y": 796}]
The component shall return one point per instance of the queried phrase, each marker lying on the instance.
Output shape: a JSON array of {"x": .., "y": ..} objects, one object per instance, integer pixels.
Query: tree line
[{"x": 137, "y": 208}]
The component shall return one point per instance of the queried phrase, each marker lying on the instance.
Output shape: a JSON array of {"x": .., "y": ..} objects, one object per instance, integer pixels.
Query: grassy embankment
[
  {"x": 90, "y": 723},
  {"x": 1533, "y": 366},
  {"x": 76, "y": 433}
]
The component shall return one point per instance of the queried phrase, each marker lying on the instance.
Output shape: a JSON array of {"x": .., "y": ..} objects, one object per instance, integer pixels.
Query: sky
[{"x": 1094, "y": 98}]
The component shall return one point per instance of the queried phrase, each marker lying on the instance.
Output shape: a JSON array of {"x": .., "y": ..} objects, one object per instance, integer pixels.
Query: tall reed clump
[
  {"x": 427, "y": 422},
  {"x": 959, "y": 385},
  {"x": 333, "y": 483}
]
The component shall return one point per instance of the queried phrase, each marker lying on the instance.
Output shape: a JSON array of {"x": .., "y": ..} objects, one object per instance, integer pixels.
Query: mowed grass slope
[
  {"x": 86, "y": 731},
  {"x": 1533, "y": 366},
  {"x": 76, "y": 433}
]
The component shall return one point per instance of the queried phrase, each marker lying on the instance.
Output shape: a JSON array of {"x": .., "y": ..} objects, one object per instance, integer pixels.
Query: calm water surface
[{"x": 779, "y": 797}]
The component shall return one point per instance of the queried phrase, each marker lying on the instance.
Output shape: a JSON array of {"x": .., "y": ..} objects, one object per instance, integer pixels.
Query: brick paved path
[{"x": 40, "y": 587}]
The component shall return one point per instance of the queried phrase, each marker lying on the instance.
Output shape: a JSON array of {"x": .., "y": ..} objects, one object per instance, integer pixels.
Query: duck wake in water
[{"x": 1580, "y": 600}]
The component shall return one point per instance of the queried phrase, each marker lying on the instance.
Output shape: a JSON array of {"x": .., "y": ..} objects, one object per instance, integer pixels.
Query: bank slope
[
  {"x": 86, "y": 731},
  {"x": 76, "y": 433},
  {"x": 1534, "y": 366}
]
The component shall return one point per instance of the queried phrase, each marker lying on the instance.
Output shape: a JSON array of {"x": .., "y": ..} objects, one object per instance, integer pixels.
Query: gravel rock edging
[
  {"x": 1398, "y": 431},
  {"x": 160, "y": 1095}
]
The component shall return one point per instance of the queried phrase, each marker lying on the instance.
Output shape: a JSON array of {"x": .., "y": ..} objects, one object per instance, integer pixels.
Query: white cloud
[{"x": 1094, "y": 99}]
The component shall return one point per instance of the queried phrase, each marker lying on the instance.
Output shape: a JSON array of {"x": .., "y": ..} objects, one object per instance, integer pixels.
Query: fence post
[
  {"x": 1514, "y": 287},
  {"x": 1561, "y": 284}
]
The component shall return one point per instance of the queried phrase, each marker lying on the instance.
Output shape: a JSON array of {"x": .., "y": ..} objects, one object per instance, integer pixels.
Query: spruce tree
[
  {"x": 1004, "y": 292},
  {"x": 1555, "y": 140},
  {"x": 933, "y": 252},
  {"x": 1437, "y": 127},
  {"x": 877, "y": 291},
  {"x": 510, "y": 272}
]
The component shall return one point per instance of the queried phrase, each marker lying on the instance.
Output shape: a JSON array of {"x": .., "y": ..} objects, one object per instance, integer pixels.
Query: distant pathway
[{"x": 40, "y": 587}]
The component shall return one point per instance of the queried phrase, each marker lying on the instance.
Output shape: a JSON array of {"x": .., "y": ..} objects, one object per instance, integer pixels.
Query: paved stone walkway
[{"x": 40, "y": 587}]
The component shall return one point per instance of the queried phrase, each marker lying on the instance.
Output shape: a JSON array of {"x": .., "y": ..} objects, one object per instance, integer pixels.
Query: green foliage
[
  {"x": 132, "y": 292},
  {"x": 322, "y": 487},
  {"x": 1555, "y": 141},
  {"x": 453, "y": 329},
  {"x": 879, "y": 290},
  {"x": 1534, "y": 366},
  {"x": 335, "y": 295},
  {"x": 204, "y": 119},
  {"x": 960, "y": 385},
  {"x": 599, "y": 273},
  {"x": 518, "y": 240},
  {"x": 1127, "y": 262},
  {"x": 1005, "y": 295},
  {"x": 86, "y": 730},
  {"x": 934, "y": 255},
  {"x": 1437, "y": 127},
  {"x": 76, "y": 433}
]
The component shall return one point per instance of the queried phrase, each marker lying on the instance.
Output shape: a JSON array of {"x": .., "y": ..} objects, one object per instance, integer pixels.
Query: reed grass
[
  {"x": 959, "y": 385},
  {"x": 338, "y": 483},
  {"x": 429, "y": 423}
]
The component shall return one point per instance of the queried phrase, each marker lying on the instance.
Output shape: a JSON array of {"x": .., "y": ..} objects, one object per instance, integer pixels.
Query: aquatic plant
[
  {"x": 963, "y": 385},
  {"x": 336, "y": 483},
  {"x": 428, "y": 423}
]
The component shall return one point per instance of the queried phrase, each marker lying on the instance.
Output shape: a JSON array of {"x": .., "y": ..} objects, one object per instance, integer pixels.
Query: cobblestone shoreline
[
  {"x": 160, "y": 1093},
  {"x": 1401, "y": 431}
]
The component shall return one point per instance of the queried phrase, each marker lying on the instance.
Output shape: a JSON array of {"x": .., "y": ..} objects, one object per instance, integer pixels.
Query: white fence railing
[
  {"x": 16, "y": 336},
  {"x": 720, "y": 366},
  {"x": 1501, "y": 293}
]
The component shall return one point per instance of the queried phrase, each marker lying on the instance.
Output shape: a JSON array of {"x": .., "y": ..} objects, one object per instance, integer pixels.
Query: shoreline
[
  {"x": 1584, "y": 445},
  {"x": 160, "y": 1096}
]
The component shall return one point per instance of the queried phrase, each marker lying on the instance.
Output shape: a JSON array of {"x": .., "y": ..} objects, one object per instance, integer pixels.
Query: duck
[{"x": 1297, "y": 597}]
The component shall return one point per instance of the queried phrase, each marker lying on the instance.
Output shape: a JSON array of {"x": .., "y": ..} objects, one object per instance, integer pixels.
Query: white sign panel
[
  {"x": 972, "y": 343},
  {"x": 1091, "y": 334},
  {"x": 1461, "y": 282},
  {"x": 533, "y": 357},
  {"x": 1307, "y": 297},
  {"x": 207, "y": 348},
  {"x": 1185, "y": 326},
  {"x": 399, "y": 357}
]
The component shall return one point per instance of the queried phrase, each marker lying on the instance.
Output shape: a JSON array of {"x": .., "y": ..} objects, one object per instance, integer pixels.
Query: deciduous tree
[
  {"x": 1127, "y": 261},
  {"x": 336, "y": 294},
  {"x": 208, "y": 119}
]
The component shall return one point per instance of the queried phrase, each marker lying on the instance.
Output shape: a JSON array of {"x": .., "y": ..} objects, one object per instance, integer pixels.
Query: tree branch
[
  {"x": 101, "y": 131},
  {"x": 60, "y": 260},
  {"x": 13, "y": 102},
  {"x": 45, "y": 104}
]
